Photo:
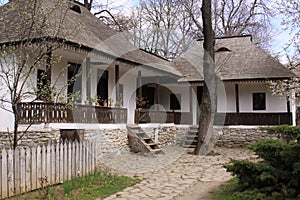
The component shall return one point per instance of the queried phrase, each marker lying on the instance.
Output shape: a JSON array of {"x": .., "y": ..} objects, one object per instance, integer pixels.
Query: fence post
[
  {"x": 33, "y": 168},
  {"x": 10, "y": 172},
  {"x": 17, "y": 171},
  {"x": 28, "y": 170},
  {"x": 4, "y": 174}
]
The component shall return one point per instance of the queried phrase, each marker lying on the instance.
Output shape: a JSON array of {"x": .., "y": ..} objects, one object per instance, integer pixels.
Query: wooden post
[
  {"x": 88, "y": 78},
  {"x": 117, "y": 74},
  {"x": 237, "y": 100},
  {"x": 140, "y": 92},
  {"x": 157, "y": 99}
]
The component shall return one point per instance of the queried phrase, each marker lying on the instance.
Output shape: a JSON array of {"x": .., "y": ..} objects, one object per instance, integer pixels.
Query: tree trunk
[
  {"x": 209, "y": 98},
  {"x": 16, "y": 125}
]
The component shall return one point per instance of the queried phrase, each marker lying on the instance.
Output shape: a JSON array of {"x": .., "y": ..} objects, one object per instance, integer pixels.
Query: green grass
[
  {"x": 225, "y": 191},
  {"x": 96, "y": 185}
]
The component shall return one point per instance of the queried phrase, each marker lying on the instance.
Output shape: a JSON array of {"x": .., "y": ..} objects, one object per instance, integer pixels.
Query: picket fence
[{"x": 22, "y": 168}]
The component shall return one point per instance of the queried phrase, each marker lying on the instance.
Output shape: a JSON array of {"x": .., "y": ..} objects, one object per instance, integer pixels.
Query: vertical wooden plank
[
  {"x": 69, "y": 171},
  {"x": 80, "y": 159},
  {"x": 65, "y": 162},
  {"x": 17, "y": 171},
  {"x": 22, "y": 170},
  {"x": 77, "y": 161},
  {"x": 74, "y": 173},
  {"x": 83, "y": 159},
  {"x": 52, "y": 164},
  {"x": 92, "y": 157},
  {"x": 33, "y": 168},
  {"x": 86, "y": 158},
  {"x": 96, "y": 154},
  {"x": 4, "y": 188},
  {"x": 61, "y": 162},
  {"x": 28, "y": 170},
  {"x": 10, "y": 172},
  {"x": 38, "y": 165},
  {"x": 43, "y": 162},
  {"x": 48, "y": 162},
  {"x": 57, "y": 162}
]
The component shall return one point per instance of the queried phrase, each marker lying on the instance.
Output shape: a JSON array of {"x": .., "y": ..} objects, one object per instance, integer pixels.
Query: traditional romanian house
[{"x": 129, "y": 85}]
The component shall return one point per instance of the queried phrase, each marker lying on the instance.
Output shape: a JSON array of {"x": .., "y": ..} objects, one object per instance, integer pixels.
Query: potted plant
[
  {"x": 110, "y": 101},
  {"x": 95, "y": 100},
  {"x": 105, "y": 103}
]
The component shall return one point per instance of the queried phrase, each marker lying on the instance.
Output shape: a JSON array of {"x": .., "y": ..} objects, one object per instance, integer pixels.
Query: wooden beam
[
  {"x": 191, "y": 99},
  {"x": 117, "y": 76},
  {"x": 140, "y": 92},
  {"x": 157, "y": 99},
  {"x": 237, "y": 100},
  {"x": 88, "y": 78}
]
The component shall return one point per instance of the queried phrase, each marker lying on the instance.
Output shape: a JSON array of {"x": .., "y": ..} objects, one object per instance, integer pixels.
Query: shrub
[{"x": 278, "y": 174}]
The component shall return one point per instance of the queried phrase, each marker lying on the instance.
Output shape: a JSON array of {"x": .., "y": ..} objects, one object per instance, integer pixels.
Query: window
[
  {"x": 75, "y": 8},
  {"x": 259, "y": 101},
  {"x": 175, "y": 100},
  {"x": 75, "y": 81}
]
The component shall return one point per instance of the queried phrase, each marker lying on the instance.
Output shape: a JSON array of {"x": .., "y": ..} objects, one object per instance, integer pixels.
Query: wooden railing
[
  {"x": 253, "y": 118},
  {"x": 147, "y": 116},
  {"x": 150, "y": 116},
  {"x": 40, "y": 112}
]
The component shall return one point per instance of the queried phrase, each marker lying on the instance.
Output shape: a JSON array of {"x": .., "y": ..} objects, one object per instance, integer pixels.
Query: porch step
[
  {"x": 191, "y": 138},
  {"x": 139, "y": 141}
]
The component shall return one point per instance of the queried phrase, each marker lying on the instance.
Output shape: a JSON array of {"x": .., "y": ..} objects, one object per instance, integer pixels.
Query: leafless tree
[
  {"x": 209, "y": 98},
  {"x": 291, "y": 21},
  {"x": 29, "y": 36},
  {"x": 161, "y": 27},
  {"x": 235, "y": 17}
]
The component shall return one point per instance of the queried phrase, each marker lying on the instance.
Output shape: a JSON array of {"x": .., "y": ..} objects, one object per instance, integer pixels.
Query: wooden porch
[
  {"x": 254, "y": 119},
  {"x": 41, "y": 112},
  {"x": 227, "y": 119},
  {"x": 151, "y": 116}
]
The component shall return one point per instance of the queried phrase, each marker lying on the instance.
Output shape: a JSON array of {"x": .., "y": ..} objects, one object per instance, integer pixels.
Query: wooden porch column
[
  {"x": 117, "y": 75},
  {"x": 48, "y": 71},
  {"x": 140, "y": 92},
  {"x": 88, "y": 78},
  {"x": 237, "y": 100},
  {"x": 157, "y": 99},
  {"x": 191, "y": 104}
]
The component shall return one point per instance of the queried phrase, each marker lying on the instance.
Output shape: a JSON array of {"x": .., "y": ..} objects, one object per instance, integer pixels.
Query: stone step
[
  {"x": 156, "y": 151},
  {"x": 189, "y": 146}
]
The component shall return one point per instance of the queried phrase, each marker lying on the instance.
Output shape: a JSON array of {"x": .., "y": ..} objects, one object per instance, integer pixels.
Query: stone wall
[
  {"x": 115, "y": 140},
  {"x": 167, "y": 135},
  {"x": 33, "y": 137},
  {"x": 240, "y": 136}
]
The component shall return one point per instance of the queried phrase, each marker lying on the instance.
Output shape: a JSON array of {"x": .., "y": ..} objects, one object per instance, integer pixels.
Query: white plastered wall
[{"x": 273, "y": 103}]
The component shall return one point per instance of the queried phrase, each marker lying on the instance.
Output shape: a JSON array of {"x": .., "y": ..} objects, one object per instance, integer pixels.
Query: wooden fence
[{"x": 22, "y": 168}]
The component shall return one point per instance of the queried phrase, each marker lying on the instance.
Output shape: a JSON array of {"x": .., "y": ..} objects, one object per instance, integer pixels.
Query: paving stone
[{"x": 170, "y": 174}]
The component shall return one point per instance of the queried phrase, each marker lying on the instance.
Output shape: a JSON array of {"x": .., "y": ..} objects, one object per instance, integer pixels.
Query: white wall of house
[
  {"x": 273, "y": 103},
  {"x": 226, "y": 98},
  {"x": 181, "y": 89}
]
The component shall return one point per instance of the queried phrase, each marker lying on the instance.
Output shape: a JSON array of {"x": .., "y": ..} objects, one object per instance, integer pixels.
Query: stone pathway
[{"x": 171, "y": 175}]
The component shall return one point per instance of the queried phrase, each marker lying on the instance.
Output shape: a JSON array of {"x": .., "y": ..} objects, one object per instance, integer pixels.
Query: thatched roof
[
  {"x": 78, "y": 27},
  {"x": 236, "y": 58}
]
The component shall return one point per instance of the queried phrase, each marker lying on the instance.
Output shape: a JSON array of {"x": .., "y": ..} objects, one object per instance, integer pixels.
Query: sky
[{"x": 280, "y": 39}]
